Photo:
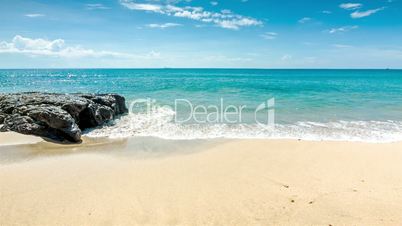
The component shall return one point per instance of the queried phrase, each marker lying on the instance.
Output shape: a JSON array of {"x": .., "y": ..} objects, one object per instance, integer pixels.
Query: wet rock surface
[{"x": 60, "y": 117}]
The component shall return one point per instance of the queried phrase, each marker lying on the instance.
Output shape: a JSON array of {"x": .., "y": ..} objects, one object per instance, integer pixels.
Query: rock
[
  {"x": 60, "y": 117},
  {"x": 2, "y": 117}
]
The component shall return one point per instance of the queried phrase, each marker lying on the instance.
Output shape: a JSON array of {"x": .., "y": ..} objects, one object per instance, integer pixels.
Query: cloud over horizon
[
  {"x": 95, "y": 6},
  {"x": 357, "y": 13},
  {"x": 269, "y": 35},
  {"x": 224, "y": 19},
  {"x": 58, "y": 48},
  {"x": 361, "y": 14},
  {"x": 342, "y": 29},
  {"x": 33, "y": 15},
  {"x": 163, "y": 26},
  {"x": 350, "y": 6}
]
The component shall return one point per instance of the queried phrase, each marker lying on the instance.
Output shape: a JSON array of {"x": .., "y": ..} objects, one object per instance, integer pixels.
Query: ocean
[{"x": 349, "y": 105}]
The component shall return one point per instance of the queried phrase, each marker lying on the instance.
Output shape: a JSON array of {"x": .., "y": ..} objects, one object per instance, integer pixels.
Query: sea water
[{"x": 357, "y": 105}]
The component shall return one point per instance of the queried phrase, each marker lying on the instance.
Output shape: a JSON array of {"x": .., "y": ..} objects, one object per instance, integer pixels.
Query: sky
[{"x": 200, "y": 34}]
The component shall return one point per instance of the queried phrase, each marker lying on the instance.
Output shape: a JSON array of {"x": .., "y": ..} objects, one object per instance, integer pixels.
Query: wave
[{"x": 160, "y": 124}]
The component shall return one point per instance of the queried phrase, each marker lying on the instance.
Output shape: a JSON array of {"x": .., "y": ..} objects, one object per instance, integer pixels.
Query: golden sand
[{"x": 240, "y": 182}]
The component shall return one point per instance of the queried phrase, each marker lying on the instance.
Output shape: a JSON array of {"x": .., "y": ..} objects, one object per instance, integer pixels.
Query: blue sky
[{"x": 195, "y": 33}]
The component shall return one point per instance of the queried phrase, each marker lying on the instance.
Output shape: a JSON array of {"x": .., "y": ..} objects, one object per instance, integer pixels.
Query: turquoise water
[{"x": 309, "y": 104}]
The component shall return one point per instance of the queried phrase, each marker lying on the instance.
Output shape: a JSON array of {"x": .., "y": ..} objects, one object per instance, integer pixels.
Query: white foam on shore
[{"x": 160, "y": 124}]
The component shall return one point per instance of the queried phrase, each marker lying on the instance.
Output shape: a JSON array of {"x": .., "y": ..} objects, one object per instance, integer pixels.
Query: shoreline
[
  {"x": 241, "y": 182},
  {"x": 13, "y": 138},
  {"x": 16, "y": 139}
]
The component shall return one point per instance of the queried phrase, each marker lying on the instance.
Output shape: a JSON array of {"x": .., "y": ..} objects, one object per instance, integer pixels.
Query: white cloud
[
  {"x": 342, "y": 29},
  {"x": 153, "y": 55},
  {"x": 286, "y": 57},
  {"x": 359, "y": 14},
  {"x": 226, "y": 11},
  {"x": 96, "y": 6},
  {"x": 214, "y": 3},
  {"x": 58, "y": 48},
  {"x": 141, "y": 6},
  {"x": 223, "y": 58},
  {"x": 33, "y": 15},
  {"x": 225, "y": 19},
  {"x": 350, "y": 6},
  {"x": 304, "y": 20},
  {"x": 162, "y": 26},
  {"x": 341, "y": 46},
  {"x": 269, "y": 35},
  {"x": 326, "y": 12}
]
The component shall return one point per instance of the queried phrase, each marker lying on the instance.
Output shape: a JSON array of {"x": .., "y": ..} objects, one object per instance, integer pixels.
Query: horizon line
[{"x": 193, "y": 68}]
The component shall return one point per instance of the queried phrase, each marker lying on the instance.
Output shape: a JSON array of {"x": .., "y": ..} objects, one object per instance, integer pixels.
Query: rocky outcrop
[{"x": 60, "y": 117}]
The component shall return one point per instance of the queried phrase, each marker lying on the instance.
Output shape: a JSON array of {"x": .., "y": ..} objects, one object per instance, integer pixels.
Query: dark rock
[
  {"x": 2, "y": 117},
  {"x": 58, "y": 116}
]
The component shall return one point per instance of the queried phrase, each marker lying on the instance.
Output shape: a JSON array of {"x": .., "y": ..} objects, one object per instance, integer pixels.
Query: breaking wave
[{"x": 160, "y": 124}]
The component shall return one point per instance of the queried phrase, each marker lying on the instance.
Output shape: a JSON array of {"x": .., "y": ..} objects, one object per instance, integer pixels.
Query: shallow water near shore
[{"x": 137, "y": 148}]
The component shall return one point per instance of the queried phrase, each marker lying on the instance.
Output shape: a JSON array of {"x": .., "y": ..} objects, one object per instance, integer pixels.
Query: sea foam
[{"x": 161, "y": 124}]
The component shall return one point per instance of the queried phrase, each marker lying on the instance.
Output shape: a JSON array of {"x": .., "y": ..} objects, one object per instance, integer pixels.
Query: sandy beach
[
  {"x": 229, "y": 182},
  {"x": 187, "y": 113}
]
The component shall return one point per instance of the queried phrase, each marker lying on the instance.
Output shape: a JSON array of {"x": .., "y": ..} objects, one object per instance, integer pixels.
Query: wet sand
[
  {"x": 225, "y": 182},
  {"x": 12, "y": 138}
]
